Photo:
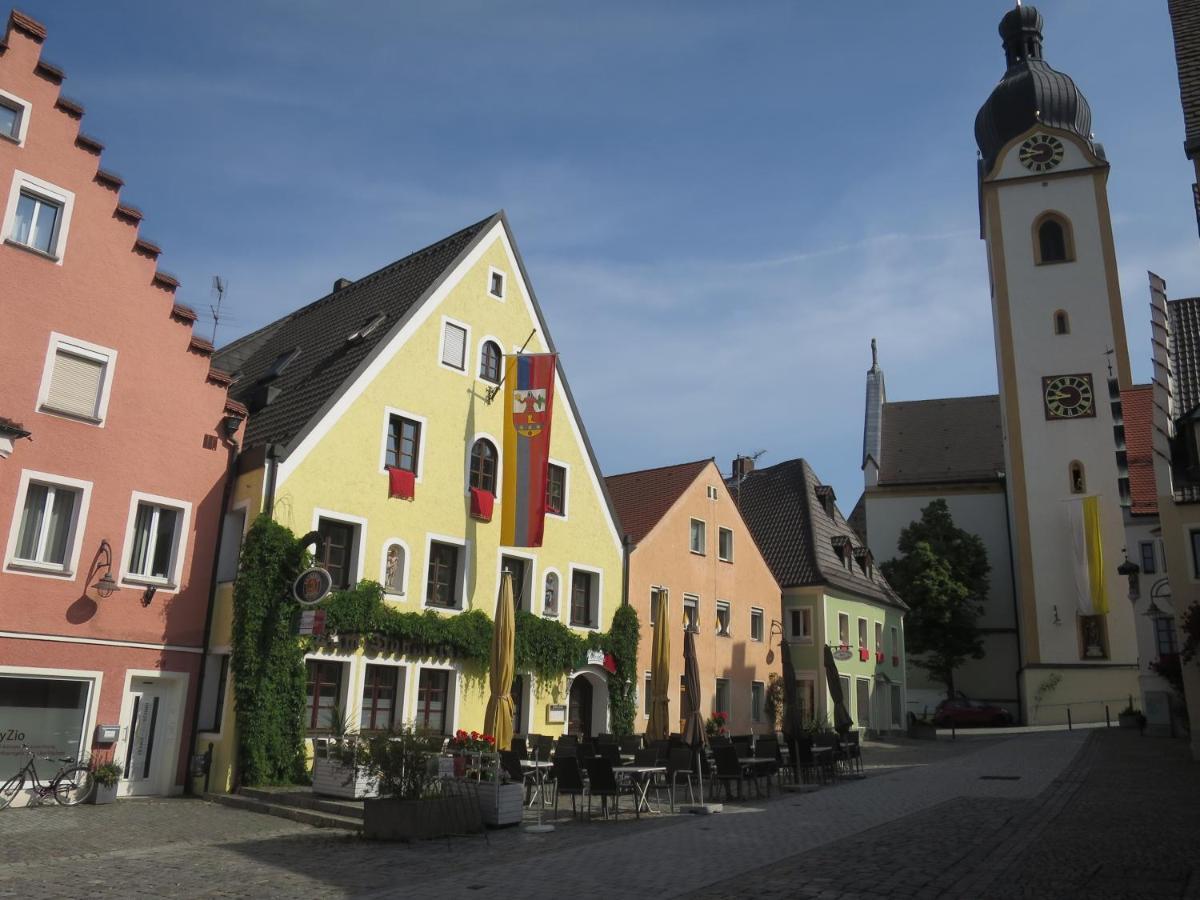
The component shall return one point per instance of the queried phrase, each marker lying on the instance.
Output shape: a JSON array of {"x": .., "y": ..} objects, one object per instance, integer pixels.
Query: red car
[{"x": 962, "y": 711}]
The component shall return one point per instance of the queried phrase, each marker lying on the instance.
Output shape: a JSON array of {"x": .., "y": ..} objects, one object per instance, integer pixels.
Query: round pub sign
[{"x": 312, "y": 586}]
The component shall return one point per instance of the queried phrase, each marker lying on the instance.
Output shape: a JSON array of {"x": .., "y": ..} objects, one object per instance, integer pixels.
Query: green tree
[{"x": 942, "y": 574}]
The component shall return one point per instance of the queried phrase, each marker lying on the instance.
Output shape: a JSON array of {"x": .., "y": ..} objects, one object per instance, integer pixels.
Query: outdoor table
[
  {"x": 537, "y": 765},
  {"x": 826, "y": 751},
  {"x": 642, "y": 776}
]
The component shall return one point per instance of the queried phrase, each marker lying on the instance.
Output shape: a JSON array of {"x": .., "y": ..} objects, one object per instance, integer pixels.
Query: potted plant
[
  {"x": 337, "y": 770},
  {"x": 715, "y": 725},
  {"x": 1129, "y": 717},
  {"x": 921, "y": 728},
  {"x": 106, "y": 775},
  {"x": 414, "y": 802}
]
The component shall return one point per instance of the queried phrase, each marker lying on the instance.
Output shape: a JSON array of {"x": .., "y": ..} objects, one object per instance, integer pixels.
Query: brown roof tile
[
  {"x": 642, "y": 498},
  {"x": 1185, "y": 24},
  {"x": 27, "y": 24},
  {"x": 1137, "y": 405},
  {"x": 955, "y": 439}
]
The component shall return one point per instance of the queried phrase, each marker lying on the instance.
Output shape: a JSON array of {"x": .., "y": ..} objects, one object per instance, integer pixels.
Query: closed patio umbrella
[
  {"x": 498, "y": 720},
  {"x": 842, "y": 722},
  {"x": 693, "y": 726},
  {"x": 659, "y": 726}
]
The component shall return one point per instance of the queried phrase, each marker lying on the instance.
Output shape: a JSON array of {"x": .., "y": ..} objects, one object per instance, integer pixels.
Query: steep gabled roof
[
  {"x": 321, "y": 331},
  {"x": 642, "y": 498},
  {"x": 1137, "y": 405},
  {"x": 1185, "y": 24},
  {"x": 1185, "y": 353},
  {"x": 954, "y": 439},
  {"x": 800, "y": 538}
]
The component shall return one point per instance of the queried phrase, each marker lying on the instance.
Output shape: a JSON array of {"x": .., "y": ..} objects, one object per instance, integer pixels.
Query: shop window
[
  {"x": 46, "y": 713},
  {"x": 323, "y": 694},
  {"x": 433, "y": 701},
  {"x": 380, "y": 697}
]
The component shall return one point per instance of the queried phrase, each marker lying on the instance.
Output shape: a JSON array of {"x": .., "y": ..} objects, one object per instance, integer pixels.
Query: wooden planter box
[
  {"x": 390, "y": 819},
  {"x": 334, "y": 779},
  {"x": 498, "y": 804},
  {"x": 1129, "y": 720},
  {"x": 102, "y": 794}
]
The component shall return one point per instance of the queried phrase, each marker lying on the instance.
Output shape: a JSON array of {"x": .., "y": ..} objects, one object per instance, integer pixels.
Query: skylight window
[
  {"x": 282, "y": 361},
  {"x": 367, "y": 327}
]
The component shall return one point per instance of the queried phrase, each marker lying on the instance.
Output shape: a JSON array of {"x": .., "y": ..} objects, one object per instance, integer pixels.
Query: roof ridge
[
  {"x": 708, "y": 459},
  {"x": 942, "y": 399}
]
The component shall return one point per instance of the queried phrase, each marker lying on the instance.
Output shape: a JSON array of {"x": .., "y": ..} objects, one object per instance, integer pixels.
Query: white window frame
[
  {"x": 762, "y": 706},
  {"x": 558, "y": 575},
  {"x": 174, "y": 582},
  {"x": 503, "y": 295},
  {"x": 572, "y": 568},
  {"x": 645, "y": 686},
  {"x": 388, "y": 412},
  {"x": 360, "y": 681},
  {"x": 88, "y": 350},
  {"x": 74, "y": 537},
  {"x": 864, "y": 633},
  {"x": 1142, "y": 545},
  {"x": 703, "y": 551},
  {"x": 845, "y": 616},
  {"x": 562, "y": 517},
  {"x": 728, "y": 632},
  {"x": 650, "y": 616},
  {"x": 479, "y": 356},
  {"x": 24, "y": 112},
  {"x": 710, "y": 492},
  {"x": 351, "y": 676},
  {"x": 807, "y": 618},
  {"x": 878, "y": 648},
  {"x": 405, "y": 572},
  {"x": 23, "y": 181},
  {"x": 96, "y": 685},
  {"x": 696, "y": 600},
  {"x": 728, "y": 696},
  {"x": 721, "y": 529},
  {"x": 358, "y": 524},
  {"x": 242, "y": 506},
  {"x": 466, "y": 370},
  {"x": 762, "y": 624},
  {"x": 454, "y": 691},
  {"x": 464, "y": 566},
  {"x": 531, "y": 573}
]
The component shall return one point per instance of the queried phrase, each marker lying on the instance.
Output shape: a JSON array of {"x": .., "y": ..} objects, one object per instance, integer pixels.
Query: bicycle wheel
[
  {"x": 74, "y": 786},
  {"x": 11, "y": 788}
]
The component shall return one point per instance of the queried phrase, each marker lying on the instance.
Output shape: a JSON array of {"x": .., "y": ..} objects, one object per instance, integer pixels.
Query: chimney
[
  {"x": 742, "y": 466},
  {"x": 342, "y": 283}
]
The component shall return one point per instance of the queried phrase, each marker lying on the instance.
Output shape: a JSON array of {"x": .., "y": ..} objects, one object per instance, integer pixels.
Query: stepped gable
[
  {"x": 806, "y": 541},
  {"x": 290, "y": 370},
  {"x": 25, "y": 26},
  {"x": 642, "y": 498}
]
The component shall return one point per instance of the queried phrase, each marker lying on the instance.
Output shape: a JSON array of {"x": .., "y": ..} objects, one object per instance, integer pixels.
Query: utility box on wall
[{"x": 107, "y": 734}]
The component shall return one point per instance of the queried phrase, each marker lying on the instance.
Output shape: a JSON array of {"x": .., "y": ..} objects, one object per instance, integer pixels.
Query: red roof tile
[
  {"x": 1137, "y": 407},
  {"x": 642, "y": 498}
]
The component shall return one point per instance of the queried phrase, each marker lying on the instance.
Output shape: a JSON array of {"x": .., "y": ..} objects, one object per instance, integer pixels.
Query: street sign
[{"x": 312, "y": 586}]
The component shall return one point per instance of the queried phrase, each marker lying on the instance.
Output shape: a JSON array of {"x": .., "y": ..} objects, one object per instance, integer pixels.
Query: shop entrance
[
  {"x": 579, "y": 709},
  {"x": 150, "y": 729}
]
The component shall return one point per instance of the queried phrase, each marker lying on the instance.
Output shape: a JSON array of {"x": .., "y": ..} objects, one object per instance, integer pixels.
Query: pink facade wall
[{"x": 163, "y": 411}]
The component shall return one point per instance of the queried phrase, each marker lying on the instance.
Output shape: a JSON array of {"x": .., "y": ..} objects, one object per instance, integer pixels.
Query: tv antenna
[
  {"x": 218, "y": 286},
  {"x": 740, "y": 474}
]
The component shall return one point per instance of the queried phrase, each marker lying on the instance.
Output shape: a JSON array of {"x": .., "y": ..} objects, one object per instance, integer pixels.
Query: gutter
[
  {"x": 626, "y": 550},
  {"x": 1012, "y": 575}
]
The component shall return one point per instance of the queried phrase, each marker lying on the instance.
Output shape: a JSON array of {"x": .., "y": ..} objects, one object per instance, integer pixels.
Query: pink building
[{"x": 115, "y": 440}]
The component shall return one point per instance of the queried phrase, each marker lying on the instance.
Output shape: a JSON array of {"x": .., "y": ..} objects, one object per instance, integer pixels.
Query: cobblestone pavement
[{"x": 925, "y": 822}]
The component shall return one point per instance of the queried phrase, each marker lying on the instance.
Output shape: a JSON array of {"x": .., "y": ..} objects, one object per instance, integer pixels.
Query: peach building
[
  {"x": 115, "y": 439},
  {"x": 687, "y": 536}
]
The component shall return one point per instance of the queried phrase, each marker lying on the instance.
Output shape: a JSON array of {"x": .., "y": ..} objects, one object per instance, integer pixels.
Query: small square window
[
  {"x": 556, "y": 490},
  {"x": 496, "y": 284},
  {"x": 691, "y": 613},
  {"x": 723, "y": 618},
  {"x": 454, "y": 346},
  {"x": 725, "y": 544},
  {"x": 76, "y": 379},
  {"x": 697, "y": 538},
  {"x": 756, "y": 625},
  {"x": 37, "y": 221},
  {"x": 712, "y": 492}
]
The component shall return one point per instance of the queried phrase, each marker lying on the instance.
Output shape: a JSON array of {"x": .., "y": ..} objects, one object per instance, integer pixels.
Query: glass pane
[
  {"x": 43, "y": 226},
  {"x": 164, "y": 543},
  {"x": 31, "y": 521},
  {"x": 10, "y": 119},
  {"x": 23, "y": 222},
  {"x": 61, "y": 516},
  {"x": 49, "y": 712},
  {"x": 138, "y": 556}
]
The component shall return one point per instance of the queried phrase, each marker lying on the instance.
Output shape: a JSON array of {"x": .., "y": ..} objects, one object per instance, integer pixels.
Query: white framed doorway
[{"x": 151, "y": 725}]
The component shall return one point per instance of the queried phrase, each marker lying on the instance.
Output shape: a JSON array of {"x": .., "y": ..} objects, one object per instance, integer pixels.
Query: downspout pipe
[
  {"x": 226, "y": 496},
  {"x": 1012, "y": 576},
  {"x": 626, "y": 549}
]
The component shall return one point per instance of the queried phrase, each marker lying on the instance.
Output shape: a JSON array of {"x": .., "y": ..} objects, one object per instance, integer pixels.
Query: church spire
[{"x": 873, "y": 420}]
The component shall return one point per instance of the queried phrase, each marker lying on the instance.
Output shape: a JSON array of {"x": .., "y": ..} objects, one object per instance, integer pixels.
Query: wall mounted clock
[
  {"x": 1068, "y": 396},
  {"x": 1041, "y": 152}
]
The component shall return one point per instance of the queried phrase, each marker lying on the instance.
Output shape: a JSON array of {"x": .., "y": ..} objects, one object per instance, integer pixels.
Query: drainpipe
[
  {"x": 1012, "y": 575},
  {"x": 626, "y": 549},
  {"x": 194, "y": 730}
]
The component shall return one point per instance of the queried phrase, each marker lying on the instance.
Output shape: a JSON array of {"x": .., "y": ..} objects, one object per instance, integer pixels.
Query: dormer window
[
  {"x": 826, "y": 497},
  {"x": 841, "y": 546},
  {"x": 282, "y": 361}
]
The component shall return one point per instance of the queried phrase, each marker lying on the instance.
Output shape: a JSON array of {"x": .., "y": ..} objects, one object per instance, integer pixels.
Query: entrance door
[
  {"x": 149, "y": 735},
  {"x": 863, "y": 702},
  {"x": 579, "y": 707}
]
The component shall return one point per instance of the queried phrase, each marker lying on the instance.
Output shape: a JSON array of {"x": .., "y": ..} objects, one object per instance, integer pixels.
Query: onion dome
[{"x": 1029, "y": 93}]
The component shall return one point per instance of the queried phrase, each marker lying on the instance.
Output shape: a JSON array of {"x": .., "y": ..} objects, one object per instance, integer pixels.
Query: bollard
[
  {"x": 1107, "y": 720},
  {"x": 1069, "y": 728},
  {"x": 953, "y": 732}
]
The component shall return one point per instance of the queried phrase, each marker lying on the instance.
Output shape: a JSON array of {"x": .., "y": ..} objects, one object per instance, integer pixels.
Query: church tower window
[
  {"x": 1062, "y": 323},
  {"x": 1053, "y": 240}
]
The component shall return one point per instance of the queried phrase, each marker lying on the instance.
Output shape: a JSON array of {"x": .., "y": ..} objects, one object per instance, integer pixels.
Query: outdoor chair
[
  {"x": 611, "y": 752},
  {"x": 606, "y": 738},
  {"x": 566, "y": 751},
  {"x": 707, "y": 772},
  {"x": 681, "y": 764},
  {"x": 568, "y": 779},
  {"x": 742, "y": 748},
  {"x": 510, "y": 761},
  {"x": 809, "y": 764},
  {"x": 720, "y": 740},
  {"x": 568, "y": 739},
  {"x": 630, "y": 743},
  {"x": 768, "y": 748},
  {"x": 520, "y": 747},
  {"x": 542, "y": 745},
  {"x": 587, "y": 750},
  {"x": 854, "y": 749},
  {"x": 646, "y": 757},
  {"x": 602, "y": 783},
  {"x": 662, "y": 748},
  {"x": 728, "y": 769},
  {"x": 841, "y": 754}
]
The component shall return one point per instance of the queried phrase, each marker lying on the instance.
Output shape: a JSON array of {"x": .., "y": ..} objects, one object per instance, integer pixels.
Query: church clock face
[
  {"x": 1068, "y": 396},
  {"x": 1041, "y": 152}
]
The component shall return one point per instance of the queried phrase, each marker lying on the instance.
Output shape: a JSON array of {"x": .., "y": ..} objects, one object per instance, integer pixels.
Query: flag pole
[{"x": 493, "y": 391}]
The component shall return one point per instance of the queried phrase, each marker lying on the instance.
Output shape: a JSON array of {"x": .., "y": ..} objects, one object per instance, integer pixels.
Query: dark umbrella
[
  {"x": 842, "y": 722},
  {"x": 693, "y": 726},
  {"x": 793, "y": 715}
]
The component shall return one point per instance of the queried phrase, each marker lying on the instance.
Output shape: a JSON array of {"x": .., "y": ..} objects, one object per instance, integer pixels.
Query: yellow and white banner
[{"x": 1088, "y": 547}]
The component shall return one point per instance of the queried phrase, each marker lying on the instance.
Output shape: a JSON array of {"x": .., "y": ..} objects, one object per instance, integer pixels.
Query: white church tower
[{"x": 1062, "y": 359}]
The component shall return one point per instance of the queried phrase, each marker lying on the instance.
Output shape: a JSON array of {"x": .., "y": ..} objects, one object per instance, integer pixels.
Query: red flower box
[
  {"x": 895, "y": 660},
  {"x": 864, "y": 654},
  {"x": 402, "y": 484},
  {"x": 878, "y": 656},
  {"x": 481, "y": 504}
]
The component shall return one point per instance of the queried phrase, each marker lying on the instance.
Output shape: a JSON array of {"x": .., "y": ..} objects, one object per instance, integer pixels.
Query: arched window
[
  {"x": 1062, "y": 324},
  {"x": 550, "y": 606},
  {"x": 1053, "y": 242},
  {"x": 483, "y": 465},
  {"x": 489, "y": 362},
  {"x": 1078, "y": 478},
  {"x": 393, "y": 569}
]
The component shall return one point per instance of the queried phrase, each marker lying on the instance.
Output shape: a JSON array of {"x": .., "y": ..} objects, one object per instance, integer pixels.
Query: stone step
[
  {"x": 293, "y": 813},
  {"x": 305, "y": 799}
]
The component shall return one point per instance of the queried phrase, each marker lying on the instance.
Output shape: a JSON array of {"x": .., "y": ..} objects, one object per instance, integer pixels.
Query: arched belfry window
[
  {"x": 1052, "y": 240},
  {"x": 1078, "y": 478},
  {"x": 1062, "y": 323},
  {"x": 483, "y": 465}
]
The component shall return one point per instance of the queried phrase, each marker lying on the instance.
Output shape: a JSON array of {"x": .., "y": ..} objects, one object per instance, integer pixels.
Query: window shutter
[
  {"x": 75, "y": 384},
  {"x": 454, "y": 345}
]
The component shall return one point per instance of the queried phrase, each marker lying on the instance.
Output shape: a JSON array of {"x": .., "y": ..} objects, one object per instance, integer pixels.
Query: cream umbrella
[
  {"x": 498, "y": 720},
  {"x": 659, "y": 726}
]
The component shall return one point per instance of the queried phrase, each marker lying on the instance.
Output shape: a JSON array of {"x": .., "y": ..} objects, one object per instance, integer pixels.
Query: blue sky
[{"x": 719, "y": 204}]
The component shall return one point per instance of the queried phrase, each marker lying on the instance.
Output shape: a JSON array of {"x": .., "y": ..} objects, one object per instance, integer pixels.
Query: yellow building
[{"x": 395, "y": 371}]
